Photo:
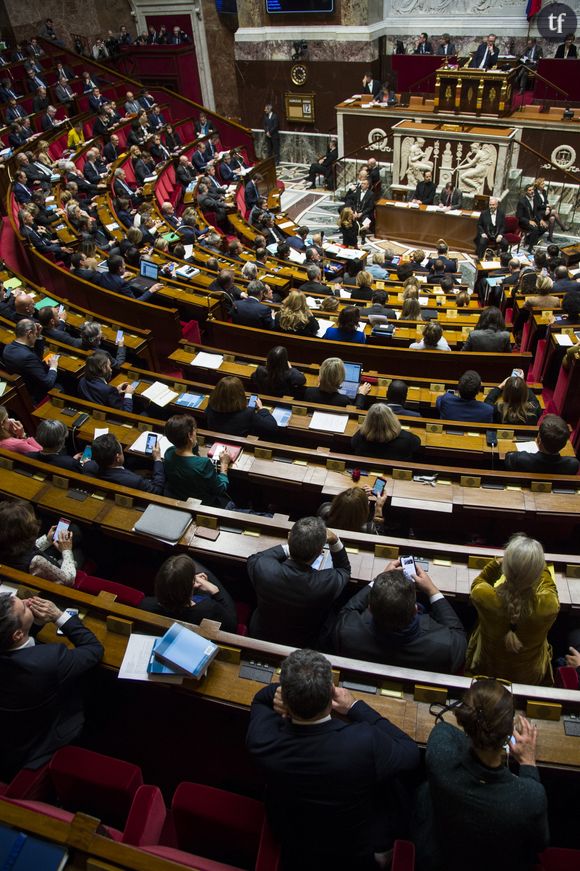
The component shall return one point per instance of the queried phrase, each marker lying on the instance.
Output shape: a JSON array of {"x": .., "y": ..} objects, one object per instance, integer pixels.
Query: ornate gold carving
[{"x": 298, "y": 74}]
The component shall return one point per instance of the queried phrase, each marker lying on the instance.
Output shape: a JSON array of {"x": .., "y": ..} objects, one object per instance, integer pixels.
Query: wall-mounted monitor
[{"x": 285, "y": 7}]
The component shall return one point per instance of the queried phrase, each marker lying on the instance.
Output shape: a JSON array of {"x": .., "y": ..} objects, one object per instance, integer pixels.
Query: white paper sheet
[
  {"x": 136, "y": 660},
  {"x": 99, "y": 431},
  {"x": 530, "y": 447},
  {"x": 141, "y": 443},
  {"x": 323, "y": 325},
  {"x": 328, "y": 422},
  {"x": 160, "y": 394},
  {"x": 563, "y": 339},
  {"x": 207, "y": 361}
]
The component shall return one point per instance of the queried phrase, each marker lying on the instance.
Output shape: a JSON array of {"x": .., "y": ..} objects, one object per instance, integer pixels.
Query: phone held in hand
[
  {"x": 61, "y": 527},
  {"x": 379, "y": 487},
  {"x": 409, "y": 567},
  {"x": 151, "y": 443},
  {"x": 119, "y": 337},
  {"x": 252, "y": 400},
  {"x": 87, "y": 454}
]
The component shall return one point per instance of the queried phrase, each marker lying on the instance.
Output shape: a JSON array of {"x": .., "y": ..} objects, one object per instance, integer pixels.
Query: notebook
[
  {"x": 165, "y": 524},
  {"x": 190, "y": 400},
  {"x": 219, "y": 447},
  {"x": 350, "y": 385},
  {"x": 185, "y": 651},
  {"x": 22, "y": 852}
]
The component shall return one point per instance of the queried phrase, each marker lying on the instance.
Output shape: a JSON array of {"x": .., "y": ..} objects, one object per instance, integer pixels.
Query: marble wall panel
[
  {"x": 220, "y": 49},
  {"x": 318, "y": 50},
  {"x": 69, "y": 16}
]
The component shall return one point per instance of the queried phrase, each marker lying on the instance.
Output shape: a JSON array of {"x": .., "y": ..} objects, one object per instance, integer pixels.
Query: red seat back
[
  {"x": 567, "y": 678},
  {"x": 125, "y": 595},
  {"x": 217, "y": 824},
  {"x": 98, "y": 785}
]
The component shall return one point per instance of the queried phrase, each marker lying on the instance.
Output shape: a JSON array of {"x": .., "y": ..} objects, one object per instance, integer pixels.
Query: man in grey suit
[{"x": 446, "y": 47}]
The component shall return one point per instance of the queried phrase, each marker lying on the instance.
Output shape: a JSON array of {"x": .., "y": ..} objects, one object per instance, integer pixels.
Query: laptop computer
[
  {"x": 350, "y": 385},
  {"x": 148, "y": 277}
]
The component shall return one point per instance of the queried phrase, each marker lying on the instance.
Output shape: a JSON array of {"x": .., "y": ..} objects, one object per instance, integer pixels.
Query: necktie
[
  {"x": 446, "y": 49},
  {"x": 482, "y": 64}
]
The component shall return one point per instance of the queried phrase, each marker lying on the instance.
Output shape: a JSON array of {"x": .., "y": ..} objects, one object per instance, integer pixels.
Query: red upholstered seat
[
  {"x": 513, "y": 234},
  {"x": 57, "y": 813},
  {"x": 403, "y": 856},
  {"x": 567, "y": 678},
  {"x": 559, "y": 859},
  {"x": 146, "y": 817},
  {"x": 222, "y": 826},
  {"x": 101, "y": 785},
  {"x": 125, "y": 595}
]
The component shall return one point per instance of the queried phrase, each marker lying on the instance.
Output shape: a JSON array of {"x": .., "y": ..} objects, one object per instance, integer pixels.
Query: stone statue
[
  {"x": 415, "y": 159},
  {"x": 477, "y": 168}
]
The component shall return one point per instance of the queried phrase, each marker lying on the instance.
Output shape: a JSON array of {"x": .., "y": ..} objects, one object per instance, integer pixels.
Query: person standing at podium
[
  {"x": 423, "y": 45},
  {"x": 446, "y": 48},
  {"x": 567, "y": 49},
  {"x": 487, "y": 54}
]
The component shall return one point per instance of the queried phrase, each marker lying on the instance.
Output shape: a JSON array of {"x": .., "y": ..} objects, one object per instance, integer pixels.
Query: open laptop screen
[{"x": 149, "y": 269}]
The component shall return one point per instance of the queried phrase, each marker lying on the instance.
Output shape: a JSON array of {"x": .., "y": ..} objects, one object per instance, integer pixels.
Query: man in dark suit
[
  {"x": 567, "y": 49},
  {"x": 529, "y": 61},
  {"x": 326, "y": 775},
  {"x": 48, "y": 120},
  {"x": 450, "y": 197},
  {"x": 94, "y": 385},
  {"x": 156, "y": 119},
  {"x": 7, "y": 91},
  {"x": 378, "y": 307},
  {"x": 382, "y": 624},
  {"x": 526, "y": 215},
  {"x": 111, "y": 150},
  {"x": 490, "y": 228},
  {"x": 13, "y": 111},
  {"x": 211, "y": 202},
  {"x": 54, "y": 327},
  {"x": 96, "y": 100},
  {"x": 425, "y": 191},
  {"x": 271, "y": 127},
  {"x": 553, "y": 436},
  {"x": 324, "y": 165},
  {"x": 370, "y": 85},
  {"x": 41, "y": 238},
  {"x": 446, "y": 47},
  {"x": 423, "y": 45},
  {"x": 178, "y": 36},
  {"x": 251, "y": 192},
  {"x": 41, "y": 706},
  {"x": 563, "y": 281},
  {"x": 397, "y": 397},
  {"x": 251, "y": 312},
  {"x": 102, "y": 124},
  {"x": 203, "y": 126},
  {"x": 33, "y": 82},
  {"x": 24, "y": 356},
  {"x": 364, "y": 203},
  {"x": 513, "y": 276},
  {"x": 122, "y": 188},
  {"x": 314, "y": 284},
  {"x": 465, "y": 406},
  {"x": 199, "y": 157},
  {"x": 185, "y": 173},
  {"x": 108, "y": 455},
  {"x": 116, "y": 280},
  {"x": 40, "y": 101},
  {"x": 294, "y": 595},
  {"x": 22, "y": 193},
  {"x": 487, "y": 54}
]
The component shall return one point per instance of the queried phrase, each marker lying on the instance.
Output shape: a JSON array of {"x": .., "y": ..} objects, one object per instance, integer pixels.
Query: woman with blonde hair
[
  {"x": 411, "y": 283},
  {"x": 348, "y": 227},
  {"x": 330, "y": 377},
  {"x": 544, "y": 210},
  {"x": 543, "y": 299},
  {"x": 517, "y": 603},
  {"x": 513, "y": 402},
  {"x": 364, "y": 287},
  {"x": 381, "y": 435},
  {"x": 295, "y": 316}
]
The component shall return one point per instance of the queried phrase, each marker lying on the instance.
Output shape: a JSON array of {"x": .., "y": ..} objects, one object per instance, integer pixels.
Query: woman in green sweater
[
  {"x": 473, "y": 812},
  {"x": 188, "y": 475}
]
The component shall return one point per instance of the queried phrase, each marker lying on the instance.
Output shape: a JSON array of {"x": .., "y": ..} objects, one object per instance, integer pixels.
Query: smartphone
[
  {"x": 517, "y": 373},
  {"x": 151, "y": 443},
  {"x": 135, "y": 384},
  {"x": 252, "y": 400},
  {"x": 74, "y": 612},
  {"x": 87, "y": 454},
  {"x": 379, "y": 486},
  {"x": 491, "y": 438},
  {"x": 119, "y": 337},
  {"x": 60, "y": 311},
  {"x": 62, "y": 526},
  {"x": 409, "y": 567}
]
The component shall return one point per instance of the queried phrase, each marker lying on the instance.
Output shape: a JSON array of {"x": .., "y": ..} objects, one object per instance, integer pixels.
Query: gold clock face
[{"x": 298, "y": 74}]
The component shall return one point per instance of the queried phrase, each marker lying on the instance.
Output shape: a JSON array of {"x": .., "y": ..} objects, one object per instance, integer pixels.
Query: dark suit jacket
[
  {"x": 398, "y": 409},
  {"x": 22, "y": 360},
  {"x": 125, "y": 478},
  {"x": 372, "y": 88},
  {"x": 546, "y": 464},
  {"x": 452, "y": 407},
  {"x": 315, "y": 394},
  {"x": 199, "y": 160},
  {"x": 315, "y": 287},
  {"x": 110, "y": 152},
  {"x": 484, "y": 224},
  {"x": 403, "y": 447},
  {"x": 251, "y": 194},
  {"x": 119, "y": 285},
  {"x": 271, "y": 125},
  {"x": 328, "y": 778},
  {"x": 435, "y": 640},
  {"x": 251, "y": 312},
  {"x": 525, "y": 212},
  {"x": 98, "y": 391},
  {"x": 491, "y": 60},
  {"x": 424, "y": 48},
  {"x": 248, "y": 421},
  {"x": 293, "y": 600},
  {"x": 120, "y": 187},
  {"x": 364, "y": 203},
  {"x": 488, "y": 340},
  {"x": 560, "y": 51},
  {"x": 184, "y": 175},
  {"x": 456, "y": 198},
  {"x": 450, "y": 49},
  {"x": 425, "y": 191},
  {"x": 41, "y": 706}
]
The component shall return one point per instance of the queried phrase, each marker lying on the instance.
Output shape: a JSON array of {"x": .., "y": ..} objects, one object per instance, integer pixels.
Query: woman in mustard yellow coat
[{"x": 517, "y": 602}]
